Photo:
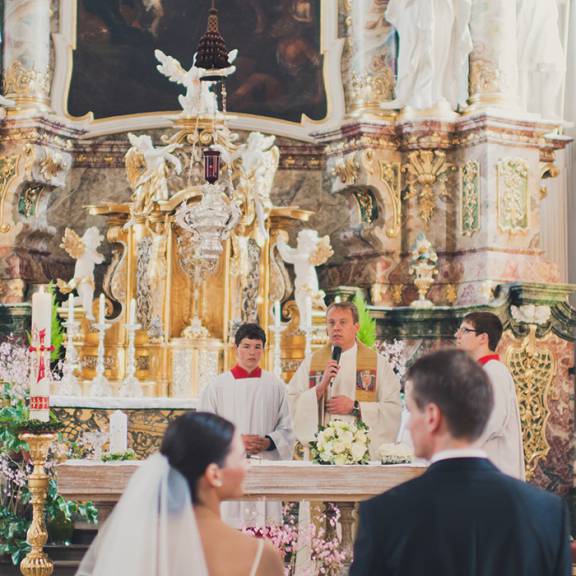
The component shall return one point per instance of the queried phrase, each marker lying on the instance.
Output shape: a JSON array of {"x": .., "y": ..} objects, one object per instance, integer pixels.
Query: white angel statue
[
  {"x": 310, "y": 251},
  {"x": 146, "y": 166},
  {"x": 85, "y": 251},
  {"x": 198, "y": 100},
  {"x": 259, "y": 162}
]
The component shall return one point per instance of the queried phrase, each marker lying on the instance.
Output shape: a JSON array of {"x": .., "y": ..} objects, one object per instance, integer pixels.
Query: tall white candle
[
  {"x": 70, "y": 308},
  {"x": 41, "y": 316},
  {"x": 118, "y": 432},
  {"x": 41, "y": 339},
  {"x": 309, "y": 313},
  {"x": 277, "y": 316},
  {"x": 133, "y": 311},
  {"x": 102, "y": 309}
]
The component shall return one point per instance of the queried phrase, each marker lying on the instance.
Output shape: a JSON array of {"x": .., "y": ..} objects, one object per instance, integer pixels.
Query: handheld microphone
[{"x": 336, "y": 353}]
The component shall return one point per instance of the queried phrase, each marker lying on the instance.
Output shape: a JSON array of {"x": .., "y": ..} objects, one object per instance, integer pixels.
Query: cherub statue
[
  {"x": 146, "y": 169},
  {"x": 85, "y": 251},
  {"x": 198, "y": 100},
  {"x": 259, "y": 162},
  {"x": 310, "y": 251}
]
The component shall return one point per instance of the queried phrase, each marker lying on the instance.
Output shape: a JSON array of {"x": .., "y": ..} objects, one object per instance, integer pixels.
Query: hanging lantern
[
  {"x": 211, "y": 53},
  {"x": 211, "y": 165}
]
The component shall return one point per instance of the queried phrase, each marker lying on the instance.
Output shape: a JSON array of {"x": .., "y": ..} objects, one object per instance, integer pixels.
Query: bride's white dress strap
[{"x": 256, "y": 562}]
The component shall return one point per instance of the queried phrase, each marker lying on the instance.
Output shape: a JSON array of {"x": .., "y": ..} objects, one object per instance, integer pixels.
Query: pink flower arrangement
[{"x": 290, "y": 539}]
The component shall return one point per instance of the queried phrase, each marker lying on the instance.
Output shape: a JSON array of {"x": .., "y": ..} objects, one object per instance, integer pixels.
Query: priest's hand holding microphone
[{"x": 338, "y": 404}]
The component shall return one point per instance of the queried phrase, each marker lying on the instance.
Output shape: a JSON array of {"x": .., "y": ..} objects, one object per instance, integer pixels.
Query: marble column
[
  {"x": 27, "y": 54},
  {"x": 369, "y": 59},
  {"x": 494, "y": 60}
]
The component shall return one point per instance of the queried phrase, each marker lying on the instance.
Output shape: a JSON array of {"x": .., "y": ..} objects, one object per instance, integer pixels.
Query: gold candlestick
[{"x": 37, "y": 562}]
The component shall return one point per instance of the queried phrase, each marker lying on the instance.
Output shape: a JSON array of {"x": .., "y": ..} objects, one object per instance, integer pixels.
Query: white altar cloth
[{"x": 118, "y": 403}]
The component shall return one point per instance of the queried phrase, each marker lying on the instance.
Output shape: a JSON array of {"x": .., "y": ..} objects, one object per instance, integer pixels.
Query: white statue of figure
[
  {"x": 198, "y": 100},
  {"x": 259, "y": 162},
  {"x": 541, "y": 62},
  {"x": 85, "y": 251},
  {"x": 434, "y": 44},
  {"x": 310, "y": 251},
  {"x": 146, "y": 167}
]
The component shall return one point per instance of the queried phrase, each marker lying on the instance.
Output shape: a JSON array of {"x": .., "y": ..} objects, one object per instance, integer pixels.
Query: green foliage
[
  {"x": 367, "y": 332},
  {"x": 128, "y": 455},
  {"x": 15, "y": 507},
  {"x": 57, "y": 333}
]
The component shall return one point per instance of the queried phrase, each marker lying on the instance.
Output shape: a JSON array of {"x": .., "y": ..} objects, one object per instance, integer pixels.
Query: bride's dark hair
[{"x": 194, "y": 441}]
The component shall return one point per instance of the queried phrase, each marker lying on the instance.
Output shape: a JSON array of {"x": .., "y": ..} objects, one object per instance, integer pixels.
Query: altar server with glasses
[
  {"x": 479, "y": 335},
  {"x": 255, "y": 401}
]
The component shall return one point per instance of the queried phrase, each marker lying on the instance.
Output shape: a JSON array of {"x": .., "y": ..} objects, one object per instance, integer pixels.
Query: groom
[{"x": 463, "y": 516}]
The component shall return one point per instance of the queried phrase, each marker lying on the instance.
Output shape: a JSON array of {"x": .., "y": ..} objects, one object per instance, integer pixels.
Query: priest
[
  {"x": 255, "y": 401},
  {"x": 348, "y": 381}
]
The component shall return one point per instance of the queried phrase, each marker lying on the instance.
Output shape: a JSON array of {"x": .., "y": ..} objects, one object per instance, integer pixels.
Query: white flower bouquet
[
  {"x": 395, "y": 453},
  {"x": 341, "y": 443}
]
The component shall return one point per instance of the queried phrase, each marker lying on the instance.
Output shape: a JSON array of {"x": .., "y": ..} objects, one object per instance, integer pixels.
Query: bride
[{"x": 167, "y": 522}]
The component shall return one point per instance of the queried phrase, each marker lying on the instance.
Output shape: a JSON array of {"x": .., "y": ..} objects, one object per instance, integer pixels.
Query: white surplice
[
  {"x": 382, "y": 416},
  {"x": 502, "y": 437},
  {"x": 255, "y": 406}
]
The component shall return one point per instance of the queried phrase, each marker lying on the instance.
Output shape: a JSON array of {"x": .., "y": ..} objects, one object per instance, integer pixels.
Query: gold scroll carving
[
  {"x": 347, "y": 171},
  {"x": 8, "y": 175},
  {"x": 427, "y": 171},
  {"x": 22, "y": 82},
  {"x": 470, "y": 198},
  {"x": 513, "y": 196},
  {"x": 533, "y": 367}
]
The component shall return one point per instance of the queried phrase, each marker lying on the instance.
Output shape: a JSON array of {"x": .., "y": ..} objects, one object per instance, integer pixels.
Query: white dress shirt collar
[{"x": 458, "y": 453}]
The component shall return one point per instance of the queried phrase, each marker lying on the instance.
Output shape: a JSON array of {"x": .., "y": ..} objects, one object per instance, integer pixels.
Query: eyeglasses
[{"x": 463, "y": 330}]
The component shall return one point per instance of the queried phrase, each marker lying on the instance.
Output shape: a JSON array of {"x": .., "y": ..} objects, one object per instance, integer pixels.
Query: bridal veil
[{"x": 152, "y": 530}]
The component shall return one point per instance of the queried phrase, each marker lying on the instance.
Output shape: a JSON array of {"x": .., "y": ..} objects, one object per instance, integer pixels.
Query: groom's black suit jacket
[{"x": 463, "y": 517}]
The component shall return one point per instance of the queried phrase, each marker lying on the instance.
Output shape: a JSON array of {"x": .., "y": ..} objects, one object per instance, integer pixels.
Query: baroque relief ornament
[
  {"x": 427, "y": 171},
  {"x": 513, "y": 196},
  {"x": 533, "y": 368},
  {"x": 470, "y": 198}
]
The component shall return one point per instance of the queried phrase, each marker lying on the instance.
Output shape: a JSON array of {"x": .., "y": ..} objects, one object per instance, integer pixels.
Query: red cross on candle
[{"x": 41, "y": 348}]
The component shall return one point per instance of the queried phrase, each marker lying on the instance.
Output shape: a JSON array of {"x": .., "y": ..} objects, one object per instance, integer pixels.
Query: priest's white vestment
[
  {"x": 255, "y": 406},
  {"x": 382, "y": 416}
]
